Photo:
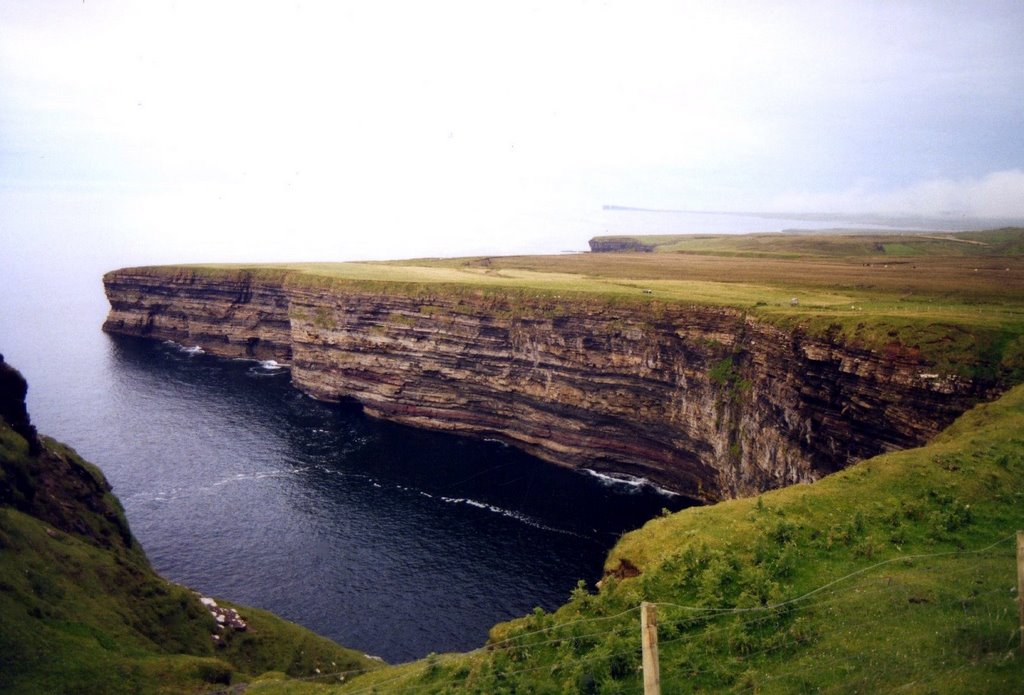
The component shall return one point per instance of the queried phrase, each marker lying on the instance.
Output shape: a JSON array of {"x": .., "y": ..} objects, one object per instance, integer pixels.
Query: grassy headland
[{"x": 958, "y": 298}]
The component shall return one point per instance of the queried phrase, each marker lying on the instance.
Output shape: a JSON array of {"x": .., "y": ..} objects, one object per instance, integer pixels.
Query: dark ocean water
[{"x": 387, "y": 539}]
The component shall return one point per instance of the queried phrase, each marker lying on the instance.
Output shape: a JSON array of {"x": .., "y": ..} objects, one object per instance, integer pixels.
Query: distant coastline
[{"x": 864, "y": 221}]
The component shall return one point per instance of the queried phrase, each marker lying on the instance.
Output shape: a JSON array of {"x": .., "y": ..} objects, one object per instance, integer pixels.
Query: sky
[{"x": 178, "y": 131}]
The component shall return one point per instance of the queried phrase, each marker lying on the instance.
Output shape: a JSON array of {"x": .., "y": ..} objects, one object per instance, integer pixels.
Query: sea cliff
[{"x": 708, "y": 401}]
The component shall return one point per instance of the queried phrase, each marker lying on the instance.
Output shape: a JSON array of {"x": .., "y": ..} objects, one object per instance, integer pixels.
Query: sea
[{"x": 391, "y": 540}]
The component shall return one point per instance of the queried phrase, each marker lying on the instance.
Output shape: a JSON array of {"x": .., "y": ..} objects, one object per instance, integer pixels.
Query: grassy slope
[
  {"x": 83, "y": 612},
  {"x": 913, "y": 607}
]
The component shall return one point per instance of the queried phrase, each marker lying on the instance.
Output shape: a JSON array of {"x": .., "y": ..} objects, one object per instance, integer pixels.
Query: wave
[
  {"x": 508, "y": 513},
  {"x": 632, "y": 483},
  {"x": 267, "y": 368},
  {"x": 261, "y": 364},
  {"x": 194, "y": 350},
  {"x": 185, "y": 492},
  {"x": 261, "y": 368}
]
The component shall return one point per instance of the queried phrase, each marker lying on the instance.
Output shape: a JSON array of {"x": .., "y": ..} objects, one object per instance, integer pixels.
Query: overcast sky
[{"x": 174, "y": 131}]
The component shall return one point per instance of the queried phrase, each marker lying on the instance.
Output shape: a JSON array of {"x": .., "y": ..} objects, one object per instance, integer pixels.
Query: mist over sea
[{"x": 387, "y": 539}]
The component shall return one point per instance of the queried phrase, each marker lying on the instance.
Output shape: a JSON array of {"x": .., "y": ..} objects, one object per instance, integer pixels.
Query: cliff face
[
  {"x": 231, "y": 316},
  {"x": 705, "y": 401}
]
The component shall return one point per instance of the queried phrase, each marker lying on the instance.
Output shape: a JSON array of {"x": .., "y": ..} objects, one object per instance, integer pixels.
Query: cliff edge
[{"x": 710, "y": 401}]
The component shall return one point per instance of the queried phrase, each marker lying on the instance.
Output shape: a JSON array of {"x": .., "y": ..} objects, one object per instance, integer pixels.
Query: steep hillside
[{"x": 83, "y": 611}]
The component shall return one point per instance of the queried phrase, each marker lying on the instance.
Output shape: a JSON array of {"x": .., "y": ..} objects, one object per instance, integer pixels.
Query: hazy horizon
[{"x": 180, "y": 131}]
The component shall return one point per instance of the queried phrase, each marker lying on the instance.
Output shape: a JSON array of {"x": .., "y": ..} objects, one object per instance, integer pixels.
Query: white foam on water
[
  {"x": 194, "y": 350},
  {"x": 267, "y": 368},
  {"x": 522, "y": 518},
  {"x": 185, "y": 493},
  {"x": 618, "y": 480},
  {"x": 634, "y": 483}
]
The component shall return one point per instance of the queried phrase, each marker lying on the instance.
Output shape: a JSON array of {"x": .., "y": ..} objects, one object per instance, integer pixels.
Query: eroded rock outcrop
[{"x": 703, "y": 400}]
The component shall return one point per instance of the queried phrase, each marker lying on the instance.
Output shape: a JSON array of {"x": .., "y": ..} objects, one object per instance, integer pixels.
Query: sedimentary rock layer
[
  {"x": 703, "y": 400},
  {"x": 227, "y": 314}
]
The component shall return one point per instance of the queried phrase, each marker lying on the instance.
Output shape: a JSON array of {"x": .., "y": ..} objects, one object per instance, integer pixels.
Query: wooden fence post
[
  {"x": 649, "y": 643},
  {"x": 1020, "y": 586}
]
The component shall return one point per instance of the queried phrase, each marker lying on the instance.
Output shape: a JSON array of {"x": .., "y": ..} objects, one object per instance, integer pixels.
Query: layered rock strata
[
  {"x": 227, "y": 314},
  {"x": 702, "y": 400}
]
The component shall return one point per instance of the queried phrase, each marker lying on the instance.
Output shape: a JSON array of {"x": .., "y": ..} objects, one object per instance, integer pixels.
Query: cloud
[{"x": 999, "y": 194}]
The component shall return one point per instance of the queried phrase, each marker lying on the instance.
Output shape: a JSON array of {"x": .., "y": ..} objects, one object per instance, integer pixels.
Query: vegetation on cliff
[{"x": 84, "y": 612}]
